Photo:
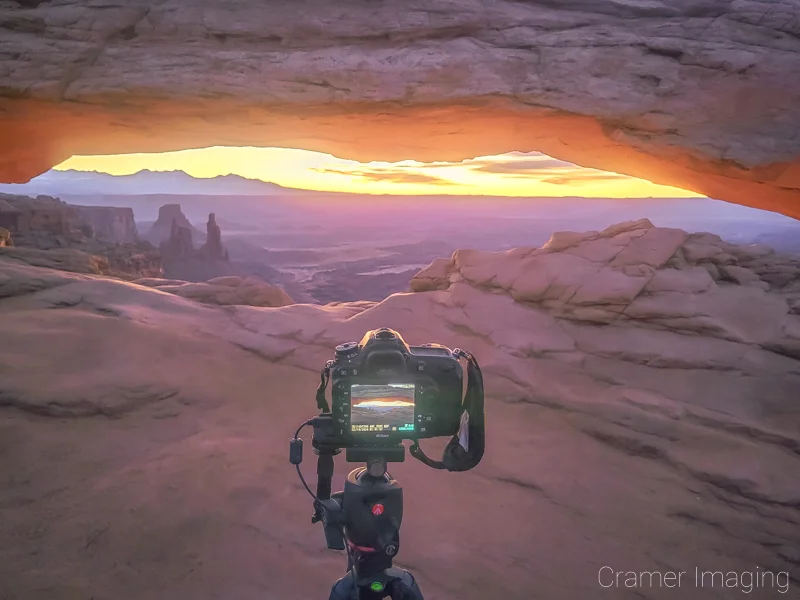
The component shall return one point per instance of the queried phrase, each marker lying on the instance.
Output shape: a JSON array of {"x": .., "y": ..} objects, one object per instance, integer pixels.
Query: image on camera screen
[{"x": 388, "y": 407}]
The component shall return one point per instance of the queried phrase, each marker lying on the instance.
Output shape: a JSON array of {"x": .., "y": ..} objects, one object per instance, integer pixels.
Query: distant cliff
[
  {"x": 110, "y": 223},
  {"x": 45, "y": 215},
  {"x": 49, "y": 225},
  {"x": 42, "y": 216}
]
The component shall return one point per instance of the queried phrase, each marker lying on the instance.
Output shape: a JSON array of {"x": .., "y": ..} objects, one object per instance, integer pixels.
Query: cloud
[
  {"x": 510, "y": 163},
  {"x": 515, "y": 165},
  {"x": 519, "y": 167},
  {"x": 390, "y": 175},
  {"x": 583, "y": 177}
]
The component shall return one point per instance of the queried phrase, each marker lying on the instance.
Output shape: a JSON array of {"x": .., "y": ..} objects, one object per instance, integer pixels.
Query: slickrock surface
[{"x": 642, "y": 411}]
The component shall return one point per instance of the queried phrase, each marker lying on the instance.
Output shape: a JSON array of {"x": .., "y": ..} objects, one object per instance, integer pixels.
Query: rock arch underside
[{"x": 699, "y": 94}]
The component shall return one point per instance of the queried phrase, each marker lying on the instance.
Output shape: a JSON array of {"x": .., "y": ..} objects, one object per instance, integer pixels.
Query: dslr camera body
[{"x": 384, "y": 391}]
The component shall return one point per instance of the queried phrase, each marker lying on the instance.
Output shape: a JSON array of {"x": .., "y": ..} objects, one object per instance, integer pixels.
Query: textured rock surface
[
  {"x": 63, "y": 259},
  {"x": 698, "y": 94},
  {"x": 634, "y": 274},
  {"x": 223, "y": 291},
  {"x": 645, "y": 395}
]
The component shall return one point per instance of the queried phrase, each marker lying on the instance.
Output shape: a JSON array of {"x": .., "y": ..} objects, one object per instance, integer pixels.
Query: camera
[{"x": 384, "y": 391}]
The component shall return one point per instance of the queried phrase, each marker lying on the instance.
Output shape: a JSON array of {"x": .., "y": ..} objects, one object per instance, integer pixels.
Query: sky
[{"x": 512, "y": 174}]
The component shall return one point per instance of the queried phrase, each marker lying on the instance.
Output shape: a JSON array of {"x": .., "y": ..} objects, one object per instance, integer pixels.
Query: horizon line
[{"x": 310, "y": 190}]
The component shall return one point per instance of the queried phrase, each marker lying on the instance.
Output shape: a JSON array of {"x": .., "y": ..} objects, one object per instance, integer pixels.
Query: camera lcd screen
[{"x": 382, "y": 408}]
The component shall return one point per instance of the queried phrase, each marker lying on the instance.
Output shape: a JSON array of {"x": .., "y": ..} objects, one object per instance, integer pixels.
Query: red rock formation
[
  {"x": 40, "y": 216},
  {"x": 181, "y": 259},
  {"x": 51, "y": 216},
  {"x": 700, "y": 95},
  {"x": 179, "y": 245},
  {"x": 98, "y": 240},
  {"x": 169, "y": 215},
  {"x": 213, "y": 248}
]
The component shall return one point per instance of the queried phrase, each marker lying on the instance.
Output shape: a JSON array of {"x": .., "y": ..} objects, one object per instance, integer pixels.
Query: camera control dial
[{"x": 346, "y": 350}]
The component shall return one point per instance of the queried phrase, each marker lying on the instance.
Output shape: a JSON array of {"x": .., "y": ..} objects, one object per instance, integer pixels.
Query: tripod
[{"x": 365, "y": 520}]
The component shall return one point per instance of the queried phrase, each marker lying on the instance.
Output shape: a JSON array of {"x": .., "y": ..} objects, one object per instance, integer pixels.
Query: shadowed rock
[
  {"x": 213, "y": 247},
  {"x": 169, "y": 216},
  {"x": 179, "y": 245},
  {"x": 113, "y": 224}
]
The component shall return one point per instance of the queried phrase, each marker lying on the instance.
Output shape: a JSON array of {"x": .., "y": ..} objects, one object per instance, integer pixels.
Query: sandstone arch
[{"x": 701, "y": 94}]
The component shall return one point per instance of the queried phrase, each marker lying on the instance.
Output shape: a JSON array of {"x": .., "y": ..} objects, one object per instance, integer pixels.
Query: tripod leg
[
  {"x": 344, "y": 589},
  {"x": 405, "y": 588}
]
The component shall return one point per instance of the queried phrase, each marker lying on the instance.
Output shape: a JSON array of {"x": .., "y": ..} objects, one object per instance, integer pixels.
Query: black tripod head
[{"x": 364, "y": 519}]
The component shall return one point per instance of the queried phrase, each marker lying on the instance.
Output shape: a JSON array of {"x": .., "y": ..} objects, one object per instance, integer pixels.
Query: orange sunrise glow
[{"x": 512, "y": 174}]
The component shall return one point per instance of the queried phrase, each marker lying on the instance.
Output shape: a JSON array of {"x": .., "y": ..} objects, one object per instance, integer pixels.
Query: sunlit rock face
[
  {"x": 635, "y": 274},
  {"x": 700, "y": 94},
  {"x": 223, "y": 291}
]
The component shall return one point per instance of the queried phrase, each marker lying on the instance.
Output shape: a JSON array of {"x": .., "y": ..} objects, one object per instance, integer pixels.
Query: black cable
[
  {"x": 350, "y": 558},
  {"x": 297, "y": 433},
  {"x": 305, "y": 485},
  {"x": 299, "y": 474}
]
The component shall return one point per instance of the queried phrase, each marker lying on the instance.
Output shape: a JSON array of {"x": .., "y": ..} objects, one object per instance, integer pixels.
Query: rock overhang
[{"x": 699, "y": 95}]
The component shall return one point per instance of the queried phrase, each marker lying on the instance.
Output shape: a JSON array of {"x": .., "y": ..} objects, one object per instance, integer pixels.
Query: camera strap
[
  {"x": 324, "y": 377},
  {"x": 465, "y": 449}
]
